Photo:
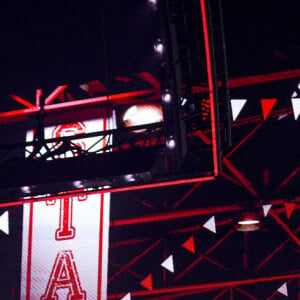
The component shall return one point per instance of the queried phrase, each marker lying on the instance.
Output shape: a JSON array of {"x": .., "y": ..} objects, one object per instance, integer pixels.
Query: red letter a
[{"x": 64, "y": 275}]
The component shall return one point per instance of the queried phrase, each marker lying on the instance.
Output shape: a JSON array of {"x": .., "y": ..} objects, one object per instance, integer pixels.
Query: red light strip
[
  {"x": 210, "y": 87},
  {"x": 256, "y": 79},
  {"x": 55, "y": 94},
  {"x": 205, "y": 286},
  {"x": 245, "y": 293},
  {"x": 22, "y": 101}
]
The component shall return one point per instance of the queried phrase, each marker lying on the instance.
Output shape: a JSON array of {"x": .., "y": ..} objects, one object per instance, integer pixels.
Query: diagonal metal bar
[
  {"x": 206, "y": 286},
  {"x": 263, "y": 262},
  {"x": 128, "y": 270},
  {"x": 201, "y": 257},
  {"x": 138, "y": 257},
  {"x": 285, "y": 227},
  {"x": 245, "y": 293},
  {"x": 240, "y": 176},
  {"x": 190, "y": 191},
  {"x": 246, "y": 138},
  {"x": 288, "y": 179}
]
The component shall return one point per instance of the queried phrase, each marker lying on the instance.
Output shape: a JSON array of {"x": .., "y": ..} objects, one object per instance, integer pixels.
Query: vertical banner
[
  {"x": 65, "y": 239},
  {"x": 65, "y": 248}
]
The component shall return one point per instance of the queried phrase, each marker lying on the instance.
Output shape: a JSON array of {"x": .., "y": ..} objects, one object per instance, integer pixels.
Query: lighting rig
[{"x": 168, "y": 134}]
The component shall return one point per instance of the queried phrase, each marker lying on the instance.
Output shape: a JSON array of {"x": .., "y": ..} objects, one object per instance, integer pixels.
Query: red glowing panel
[
  {"x": 142, "y": 114},
  {"x": 65, "y": 248}
]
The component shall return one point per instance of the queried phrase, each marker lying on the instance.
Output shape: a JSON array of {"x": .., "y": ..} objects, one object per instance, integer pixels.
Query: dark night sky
[{"x": 50, "y": 43}]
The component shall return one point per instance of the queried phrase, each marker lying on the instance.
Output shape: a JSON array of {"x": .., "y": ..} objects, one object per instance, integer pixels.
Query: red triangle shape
[
  {"x": 289, "y": 207},
  {"x": 267, "y": 105},
  {"x": 190, "y": 244},
  {"x": 147, "y": 282}
]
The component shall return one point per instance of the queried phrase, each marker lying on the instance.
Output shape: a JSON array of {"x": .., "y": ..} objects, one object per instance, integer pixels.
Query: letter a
[{"x": 64, "y": 275}]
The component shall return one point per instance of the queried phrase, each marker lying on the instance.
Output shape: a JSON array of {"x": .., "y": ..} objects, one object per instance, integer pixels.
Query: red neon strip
[
  {"x": 221, "y": 294},
  {"x": 55, "y": 94},
  {"x": 128, "y": 270},
  {"x": 22, "y": 101},
  {"x": 175, "y": 215},
  {"x": 29, "y": 252},
  {"x": 210, "y": 88},
  {"x": 251, "y": 80},
  {"x": 215, "y": 285}
]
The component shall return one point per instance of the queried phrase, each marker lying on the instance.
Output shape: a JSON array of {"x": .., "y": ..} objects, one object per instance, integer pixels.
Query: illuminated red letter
[
  {"x": 65, "y": 231},
  {"x": 64, "y": 275}
]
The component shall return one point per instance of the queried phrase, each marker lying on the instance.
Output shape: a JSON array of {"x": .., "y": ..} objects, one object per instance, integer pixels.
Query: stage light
[
  {"x": 26, "y": 189},
  {"x": 183, "y": 101},
  {"x": 130, "y": 178},
  {"x": 166, "y": 96},
  {"x": 159, "y": 47},
  {"x": 142, "y": 114},
  {"x": 171, "y": 144},
  {"x": 152, "y": 2},
  {"x": 248, "y": 221}
]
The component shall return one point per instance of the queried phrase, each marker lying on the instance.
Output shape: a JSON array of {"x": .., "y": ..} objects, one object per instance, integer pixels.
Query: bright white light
[
  {"x": 167, "y": 97},
  {"x": 78, "y": 184},
  {"x": 25, "y": 189},
  {"x": 159, "y": 47},
  {"x": 171, "y": 143},
  {"x": 129, "y": 178},
  {"x": 248, "y": 222},
  {"x": 183, "y": 101},
  {"x": 152, "y": 3},
  {"x": 142, "y": 114}
]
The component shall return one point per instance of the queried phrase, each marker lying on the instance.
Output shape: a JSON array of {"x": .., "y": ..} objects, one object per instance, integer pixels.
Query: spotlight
[
  {"x": 171, "y": 143},
  {"x": 130, "y": 178},
  {"x": 248, "y": 221},
  {"x": 159, "y": 47},
  {"x": 183, "y": 101},
  {"x": 26, "y": 189},
  {"x": 166, "y": 97},
  {"x": 152, "y": 2}
]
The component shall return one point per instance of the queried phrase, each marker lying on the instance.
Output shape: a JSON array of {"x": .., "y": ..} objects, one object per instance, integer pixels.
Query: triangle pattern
[
  {"x": 289, "y": 207},
  {"x": 147, "y": 282},
  {"x": 283, "y": 290},
  {"x": 190, "y": 245},
  {"x": 127, "y": 297},
  {"x": 266, "y": 209},
  {"x": 4, "y": 222},
  {"x": 168, "y": 264},
  {"x": 236, "y": 107},
  {"x": 267, "y": 106},
  {"x": 296, "y": 107},
  {"x": 211, "y": 224}
]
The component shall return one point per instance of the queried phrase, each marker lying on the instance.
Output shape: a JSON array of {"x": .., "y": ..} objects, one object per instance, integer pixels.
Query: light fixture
[
  {"x": 248, "y": 221},
  {"x": 159, "y": 47},
  {"x": 170, "y": 143},
  {"x": 166, "y": 96}
]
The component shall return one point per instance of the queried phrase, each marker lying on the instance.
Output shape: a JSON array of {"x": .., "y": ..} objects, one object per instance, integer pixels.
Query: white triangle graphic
[
  {"x": 211, "y": 224},
  {"x": 296, "y": 107},
  {"x": 266, "y": 209},
  {"x": 4, "y": 226},
  {"x": 236, "y": 107},
  {"x": 283, "y": 290},
  {"x": 168, "y": 264},
  {"x": 127, "y": 297}
]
